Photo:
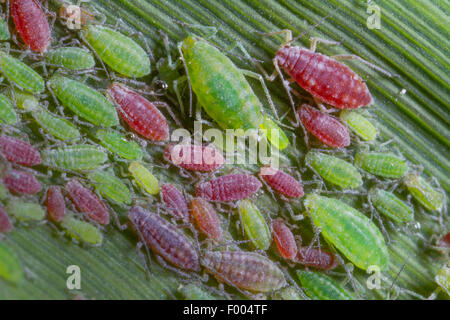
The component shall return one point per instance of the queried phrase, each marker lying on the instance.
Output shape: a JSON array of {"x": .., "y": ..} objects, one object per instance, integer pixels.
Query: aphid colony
[{"x": 120, "y": 124}]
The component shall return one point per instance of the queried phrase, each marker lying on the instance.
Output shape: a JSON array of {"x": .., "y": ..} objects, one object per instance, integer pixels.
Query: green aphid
[
  {"x": 110, "y": 186},
  {"x": 4, "y": 30},
  {"x": 117, "y": 143},
  {"x": 191, "y": 291},
  {"x": 424, "y": 193},
  {"x": 351, "y": 232},
  {"x": 334, "y": 170},
  {"x": 321, "y": 287},
  {"x": 118, "y": 51},
  {"x": 76, "y": 157},
  {"x": 144, "y": 178},
  {"x": 287, "y": 293},
  {"x": 359, "y": 125},
  {"x": 280, "y": 140},
  {"x": 391, "y": 206},
  {"x": 443, "y": 278},
  {"x": 72, "y": 58},
  {"x": 8, "y": 113},
  {"x": 84, "y": 101},
  {"x": 82, "y": 231},
  {"x": 255, "y": 226},
  {"x": 10, "y": 267},
  {"x": 21, "y": 74},
  {"x": 385, "y": 165},
  {"x": 25, "y": 211},
  {"x": 4, "y": 193}
]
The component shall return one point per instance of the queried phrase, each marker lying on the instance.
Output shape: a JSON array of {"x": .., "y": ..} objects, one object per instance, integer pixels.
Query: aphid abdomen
[
  {"x": 206, "y": 218},
  {"x": 385, "y": 165},
  {"x": 191, "y": 291},
  {"x": 321, "y": 287},
  {"x": 424, "y": 193},
  {"x": 284, "y": 239},
  {"x": 21, "y": 182},
  {"x": 25, "y": 211},
  {"x": 5, "y": 222},
  {"x": 21, "y": 74},
  {"x": 443, "y": 277},
  {"x": 117, "y": 143},
  {"x": 359, "y": 124},
  {"x": 194, "y": 157},
  {"x": 8, "y": 113},
  {"x": 391, "y": 206},
  {"x": 175, "y": 201},
  {"x": 82, "y": 231},
  {"x": 56, "y": 206},
  {"x": 144, "y": 178},
  {"x": 19, "y": 151},
  {"x": 316, "y": 258},
  {"x": 282, "y": 182},
  {"x": 255, "y": 226},
  {"x": 110, "y": 186},
  {"x": 76, "y": 157},
  {"x": 4, "y": 30},
  {"x": 58, "y": 127},
  {"x": 10, "y": 267},
  {"x": 72, "y": 58}
]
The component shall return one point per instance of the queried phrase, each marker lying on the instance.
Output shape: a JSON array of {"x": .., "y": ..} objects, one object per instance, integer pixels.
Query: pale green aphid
[
  {"x": 351, "y": 232},
  {"x": 8, "y": 113},
  {"x": 10, "y": 267},
  {"x": 21, "y": 74},
  {"x": 25, "y": 211},
  {"x": 72, "y": 58},
  {"x": 110, "y": 186},
  {"x": 82, "y": 231},
  {"x": 4, "y": 193},
  {"x": 76, "y": 157},
  {"x": 255, "y": 226},
  {"x": 84, "y": 101},
  {"x": 359, "y": 124},
  {"x": 385, "y": 165},
  {"x": 118, "y": 51},
  {"x": 280, "y": 140},
  {"x": 319, "y": 286},
  {"x": 4, "y": 30},
  {"x": 443, "y": 278},
  {"x": 117, "y": 143},
  {"x": 424, "y": 193},
  {"x": 144, "y": 178},
  {"x": 191, "y": 291},
  {"x": 391, "y": 206},
  {"x": 287, "y": 293},
  {"x": 334, "y": 170}
]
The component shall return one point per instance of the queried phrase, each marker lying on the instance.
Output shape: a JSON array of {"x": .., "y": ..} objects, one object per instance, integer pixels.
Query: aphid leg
[
  {"x": 295, "y": 217},
  {"x": 169, "y": 110},
  {"x": 371, "y": 65},
  {"x": 96, "y": 55},
  {"x": 187, "y": 76},
  {"x": 315, "y": 41}
]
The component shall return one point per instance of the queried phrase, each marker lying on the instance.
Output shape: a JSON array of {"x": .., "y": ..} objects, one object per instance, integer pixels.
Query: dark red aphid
[
  {"x": 282, "y": 182},
  {"x": 284, "y": 239},
  {"x": 444, "y": 242},
  {"x": 325, "y": 127},
  {"x": 316, "y": 258},
  {"x": 87, "y": 202},
  {"x": 194, "y": 157},
  {"x": 19, "y": 151},
  {"x": 5, "y": 223},
  {"x": 164, "y": 238},
  {"x": 324, "y": 78},
  {"x": 207, "y": 219},
  {"x": 139, "y": 113},
  {"x": 21, "y": 182},
  {"x": 230, "y": 187},
  {"x": 56, "y": 206},
  {"x": 175, "y": 201},
  {"x": 31, "y": 24}
]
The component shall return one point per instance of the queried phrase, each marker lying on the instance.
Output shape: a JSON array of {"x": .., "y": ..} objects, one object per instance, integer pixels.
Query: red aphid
[
  {"x": 31, "y": 24},
  {"x": 316, "y": 258},
  {"x": 139, "y": 113},
  {"x": 282, "y": 182},
  {"x": 207, "y": 219},
  {"x": 175, "y": 200},
  {"x": 325, "y": 127},
  {"x": 284, "y": 239},
  {"x": 324, "y": 78},
  {"x": 164, "y": 239},
  {"x": 56, "y": 206},
  {"x": 444, "y": 242},
  {"x": 5, "y": 223},
  {"x": 19, "y": 151},
  {"x": 194, "y": 157},
  {"x": 21, "y": 182},
  {"x": 230, "y": 187},
  {"x": 87, "y": 202}
]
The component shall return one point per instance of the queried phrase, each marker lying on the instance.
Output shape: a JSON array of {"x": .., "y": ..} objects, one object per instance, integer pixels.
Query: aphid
[
  {"x": 230, "y": 187},
  {"x": 288, "y": 293},
  {"x": 25, "y": 211},
  {"x": 4, "y": 193},
  {"x": 21, "y": 182},
  {"x": 8, "y": 113},
  {"x": 444, "y": 242},
  {"x": 4, "y": 30},
  {"x": 72, "y": 58},
  {"x": 194, "y": 157},
  {"x": 391, "y": 206},
  {"x": 56, "y": 206},
  {"x": 175, "y": 201},
  {"x": 316, "y": 258},
  {"x": 206, "y": 218},
  {"x": 325, "y": 127},
  {"x": 76, "y": 157},
  {"x": 139, "y": 113},
  {"x": 82, "y": 231},
  {"x": 245, "y": 270},
  {"x": 359, "y": 125},
  {"x": 191, "y": 291},
  {"x": 284, "y": 239},
  {"x": 443, "y": 278},
  {"x": 5, "y": 223},
  {"x": 68, "y": 11},
  {"x": 385, "y": 165},
  {"x": 282, "y": 182},
  {"x": 334, "y": 170},
  {"x": 117, "y": 143},
  {"x": 110, "y": 186},
  {"x": 275, "y": 135},
  {"x": 351, "y": 232},
  {"x": 84, "y": 101},
  {"x": 319, "y": 286},
  {"x": 144, "y": 178},
  {"x": 87, "y": 202},
  {"x": 19, "y": 151},
  {"x": 255, "y": 226},
  {"x": 10, "y": 267},
  {"x": 31, "y": 24},
  {"x": 165, "y": 239},
  {"x": 424, "y": 193}
]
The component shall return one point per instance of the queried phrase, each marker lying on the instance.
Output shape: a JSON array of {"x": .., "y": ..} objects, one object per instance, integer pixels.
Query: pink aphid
[
  {"x": 284, "y": 239},
  {"x": 444, "y": 242},
  {"x": 282, "y": 182},
  {"x": 175, "y": 200},
  {"x": 56, "y": 206},
  {"x": 87, "y": 202},
  {"x": 207, "y": 219},
  {"x": 230, "y": 187},
  {"x": 316, "y": 258},
  {"x": 139, "y": 113},
  {"x": 19, "y": 151},
  {"x": 21, "y": 182},
  {"x": 194, "y": 157},
  {"x": 325, "y": 127},
  {"x": 164, "y": 239},
  {"x": 5, "y": 223},
  {"x": 31, "y": 24}
]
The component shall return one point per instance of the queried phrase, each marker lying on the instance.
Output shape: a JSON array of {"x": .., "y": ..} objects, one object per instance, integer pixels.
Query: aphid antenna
[
  {"x": 397, "y": 276},
  {"x": 187, "y": 76}
]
